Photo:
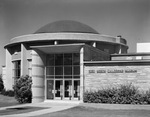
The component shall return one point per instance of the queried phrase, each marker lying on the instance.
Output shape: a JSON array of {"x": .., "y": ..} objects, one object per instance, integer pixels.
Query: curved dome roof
[{"x": 66, "y": 26}]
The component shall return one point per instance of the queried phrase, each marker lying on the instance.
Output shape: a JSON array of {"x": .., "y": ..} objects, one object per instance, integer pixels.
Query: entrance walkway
[{"x": 52, "y": 106}]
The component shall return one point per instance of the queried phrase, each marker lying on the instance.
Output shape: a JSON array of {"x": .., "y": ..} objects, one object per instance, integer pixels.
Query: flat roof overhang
[
  {"x": 131, "y": 54},
  {"x": 65, "y": 48},
  {"x": 117, "y": 63},
  {"x": 65, "y": 36}
]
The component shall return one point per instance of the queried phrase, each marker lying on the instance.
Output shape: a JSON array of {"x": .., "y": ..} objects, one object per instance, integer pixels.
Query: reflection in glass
[
  {"x": 76, "y": 88},
  {"x": 58, "y": 59},
  {"x": 65, "y": 65},
  {"x": 57, "y": 88},
  {"x": 50, "y": 71},
  {"x": 50, "y": 77},
  {"x": 60, "y": 70},
  {"x": 67, "y": 59},
  {"x": 76, "y": 59},
  {"x": 76, "y": 70},
  {"x": 50, "y": 60},
  {"x": 68, "y": 77},
  {"x": 50, "y": 84},
  {"x": 76, "y": 77},
  {"x": 16, "y": 69},
  {"x": 67, "y": 70},
  {"x": 58, "y": 76}
]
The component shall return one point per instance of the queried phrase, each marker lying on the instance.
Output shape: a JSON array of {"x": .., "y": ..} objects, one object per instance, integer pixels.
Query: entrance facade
[{"x": 63, "y": 76}]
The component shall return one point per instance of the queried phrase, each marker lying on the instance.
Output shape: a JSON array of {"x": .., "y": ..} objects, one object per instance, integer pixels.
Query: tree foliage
[
  {"x": 1, "y": 83},
  {"x": 22, "y": 89}
]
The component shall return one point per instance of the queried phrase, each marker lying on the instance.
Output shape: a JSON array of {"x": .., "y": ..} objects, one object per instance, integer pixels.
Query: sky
[{"x": 129, "y": 18}]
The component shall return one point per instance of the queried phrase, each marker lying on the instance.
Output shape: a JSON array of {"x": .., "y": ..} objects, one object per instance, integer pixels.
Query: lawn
[
  {"x": 20, "y": 110},
  {"x": 7, "y": 101},
  {"x": 81, "y": 111}
]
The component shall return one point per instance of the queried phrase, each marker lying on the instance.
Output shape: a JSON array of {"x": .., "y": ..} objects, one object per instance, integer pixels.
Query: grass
[
  {"x": 7, "y": 101},
  {"x": 19, "y": 110},
  {"x": 81, "y": 111}
]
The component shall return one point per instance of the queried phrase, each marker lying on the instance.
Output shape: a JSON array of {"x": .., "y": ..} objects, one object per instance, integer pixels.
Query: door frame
[{"x": 62, "y": 97}]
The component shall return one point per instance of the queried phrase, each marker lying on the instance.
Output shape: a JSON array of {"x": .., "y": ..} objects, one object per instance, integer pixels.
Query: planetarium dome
[{"x": 67, "y": 26}]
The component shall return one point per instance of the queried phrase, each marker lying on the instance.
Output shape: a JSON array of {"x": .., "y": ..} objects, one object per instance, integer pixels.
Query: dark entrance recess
[{"x": 63, "y": 76}]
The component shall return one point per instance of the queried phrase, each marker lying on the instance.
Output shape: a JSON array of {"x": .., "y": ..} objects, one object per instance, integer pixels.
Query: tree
[
  {"x": 22, "y": 89},
  {"x": 1, "y": 83}
]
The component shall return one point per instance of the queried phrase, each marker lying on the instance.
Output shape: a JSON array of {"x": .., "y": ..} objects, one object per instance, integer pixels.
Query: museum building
[{"x": 66, "y": 58}]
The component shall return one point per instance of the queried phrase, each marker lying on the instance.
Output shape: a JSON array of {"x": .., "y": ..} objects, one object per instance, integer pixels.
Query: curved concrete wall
[
  {"x": 66, "y": 36},
  {"x": 38, "y": 77}
]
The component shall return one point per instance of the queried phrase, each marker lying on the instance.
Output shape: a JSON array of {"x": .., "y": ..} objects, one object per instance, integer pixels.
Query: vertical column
[
  {"x": 9, "y": 80},
  {"x": 94, "y": 44},
  {"x": 81, "y": 74},
  {"x": 120, "y": 50},
  {"x": 55, "y": 42},
  {"x": 24, "y": 62},
  {"x": 118, "y": 38},
  {"x": 38, "y": 60}
]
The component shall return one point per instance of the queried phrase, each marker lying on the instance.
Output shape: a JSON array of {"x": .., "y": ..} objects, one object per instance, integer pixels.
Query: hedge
[
  {"x": 1, "y": 83},
  {"x": 124, "y": 94},
  {"x": 9, "y": 93}
]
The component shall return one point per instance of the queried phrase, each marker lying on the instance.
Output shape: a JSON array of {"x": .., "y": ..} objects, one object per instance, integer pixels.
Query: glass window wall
[
  {"x": 65, "y": 65},
  {"x": 63, "y": 76}
]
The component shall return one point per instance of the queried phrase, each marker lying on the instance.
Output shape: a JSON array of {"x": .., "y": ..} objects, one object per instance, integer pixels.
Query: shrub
[
  {"x": 22, "y": 89},
  {"x": 147, "y": 97},
  {"x": 7, "y": 93},
  {"x": 1, "y": 83},
  {"x": 124, "y": 94}
]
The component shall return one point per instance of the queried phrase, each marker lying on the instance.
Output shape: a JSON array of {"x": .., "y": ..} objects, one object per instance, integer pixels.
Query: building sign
[
  {"x": 101, "y": 71},
  {"x": 131, "y": 71},
  {"x": 115, "y": 71},
  {"x": 112, "y": 71},
  {"x": 91, "y": 71}
]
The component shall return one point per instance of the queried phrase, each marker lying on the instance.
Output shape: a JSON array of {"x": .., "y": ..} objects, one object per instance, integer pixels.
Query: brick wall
[{"x": 97, "y": 77}]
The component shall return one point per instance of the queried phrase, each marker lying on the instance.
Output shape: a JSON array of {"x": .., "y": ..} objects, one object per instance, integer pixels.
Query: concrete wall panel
[
  {"x": 9, "y": 80},
  {"x": 97, "y": 77}
]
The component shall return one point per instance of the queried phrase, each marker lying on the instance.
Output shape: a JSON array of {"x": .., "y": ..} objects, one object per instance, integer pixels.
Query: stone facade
[{"x": 97, "y": 77}]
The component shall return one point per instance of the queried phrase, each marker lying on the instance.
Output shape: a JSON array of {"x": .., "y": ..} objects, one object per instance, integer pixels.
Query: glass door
[
  {"x": 50, "y": 91},
  {"x": 63, "y": 76},
  {"x": 58, "y": 89},
  {"x": 67, "y": 89},
  {"x": 77, "y": 89}
]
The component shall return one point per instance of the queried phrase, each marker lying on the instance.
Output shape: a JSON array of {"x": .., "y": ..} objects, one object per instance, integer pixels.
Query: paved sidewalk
[
  {"x": 51, "y": 107},
  {"x": 55, "y": 106}
]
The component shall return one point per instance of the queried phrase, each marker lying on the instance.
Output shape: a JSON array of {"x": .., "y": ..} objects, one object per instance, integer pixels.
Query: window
[
  {"x": 67, "y": 59},
  {"x": 106, "y": 50},
  {"x": 58, "y": 59},
  {"x": 76, "y": 59},
  {"x": 65, "y": 65},
  {"x": 30, "y": 68},
  {"x": 16, "y": 69}
]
